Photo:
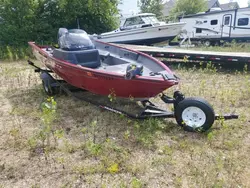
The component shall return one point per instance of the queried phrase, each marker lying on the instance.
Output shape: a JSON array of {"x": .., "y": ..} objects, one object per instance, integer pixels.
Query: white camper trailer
[{"x": 216, "y": 25}]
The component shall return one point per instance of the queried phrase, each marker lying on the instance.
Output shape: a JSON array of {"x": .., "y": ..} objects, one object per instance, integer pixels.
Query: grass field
[
  {"x": 227, "y": 47},
  {"x": 79, "y": 145}
]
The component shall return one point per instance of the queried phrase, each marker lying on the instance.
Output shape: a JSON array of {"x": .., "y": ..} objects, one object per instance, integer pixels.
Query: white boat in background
[{"x": 144, "y": 29}]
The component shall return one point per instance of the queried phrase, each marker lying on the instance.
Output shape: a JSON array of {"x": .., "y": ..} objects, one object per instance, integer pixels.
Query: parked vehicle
[
  {"x": 216, "y": 25},
  {"x": 143, "y": 29}
]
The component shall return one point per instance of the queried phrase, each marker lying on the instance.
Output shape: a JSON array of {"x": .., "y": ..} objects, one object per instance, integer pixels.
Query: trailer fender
[{"x": 48, "y": 79}]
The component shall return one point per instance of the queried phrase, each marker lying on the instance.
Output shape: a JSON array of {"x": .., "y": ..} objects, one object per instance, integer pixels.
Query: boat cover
[{"x": 74, "y": 39}]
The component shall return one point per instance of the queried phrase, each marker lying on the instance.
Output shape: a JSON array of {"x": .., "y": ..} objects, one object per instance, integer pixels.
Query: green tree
[
  {"x": 248, "y": 3},
  {"x": 17, "y": 21},
  {"x": 94, "y": 16},
  {"x": 39, "y": 20},
  {"x": 48, "y": 18},
  {"x": 152, "y": 6},
  {"x": 185, "y": 7}
]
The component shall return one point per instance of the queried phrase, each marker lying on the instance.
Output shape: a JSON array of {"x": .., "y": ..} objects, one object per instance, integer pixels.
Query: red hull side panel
[{"x": 101, "y": 82}]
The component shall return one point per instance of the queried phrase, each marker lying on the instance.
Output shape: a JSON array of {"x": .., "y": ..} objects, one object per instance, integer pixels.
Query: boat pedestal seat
[
  {"x": 86, "y": 58},
  {"x": 122, "y": 68}
]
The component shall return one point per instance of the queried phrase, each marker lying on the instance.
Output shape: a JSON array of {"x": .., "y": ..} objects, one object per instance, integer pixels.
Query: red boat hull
[{"x": 101, "y": 82}]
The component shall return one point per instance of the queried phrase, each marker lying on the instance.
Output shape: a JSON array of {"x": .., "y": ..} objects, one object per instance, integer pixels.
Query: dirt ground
[{"x": 79, "y": 145}]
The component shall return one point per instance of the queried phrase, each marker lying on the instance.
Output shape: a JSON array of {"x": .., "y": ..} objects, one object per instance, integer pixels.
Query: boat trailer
[
  {"x": 179, "y": 53},
  {"x": 195, "y": 110}
]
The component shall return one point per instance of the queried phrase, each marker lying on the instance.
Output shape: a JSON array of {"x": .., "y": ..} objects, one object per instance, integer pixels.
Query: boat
[
  {"x": 142, "y": 29},
  {"x": 114, "y": 71},
  {"x": 104, "y": 68}
]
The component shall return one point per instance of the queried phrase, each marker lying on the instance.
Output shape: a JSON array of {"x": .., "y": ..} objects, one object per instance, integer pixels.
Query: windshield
[
  {"x": 150, "y": 19},
  {"x": 133, "y": 21}
]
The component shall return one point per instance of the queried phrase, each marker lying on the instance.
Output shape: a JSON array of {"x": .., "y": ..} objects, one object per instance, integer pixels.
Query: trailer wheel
[
  {"x": 49, "y": 89},
  {"x": 194, "y": 115},
  {"x": 207, "y": 43}
]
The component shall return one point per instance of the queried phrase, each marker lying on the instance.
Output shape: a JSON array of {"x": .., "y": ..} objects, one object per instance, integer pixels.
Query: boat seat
[
  {"x": 104, "y": 53},
  {"x": 86, "y": 58}
]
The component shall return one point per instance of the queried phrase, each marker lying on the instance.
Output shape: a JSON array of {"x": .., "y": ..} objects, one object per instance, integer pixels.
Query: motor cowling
[{"x": 74, "y": 39}]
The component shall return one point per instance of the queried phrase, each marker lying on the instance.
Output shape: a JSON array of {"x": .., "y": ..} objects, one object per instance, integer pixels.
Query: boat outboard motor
[
  {"x": 133, "y": 70},
  {"x": 74, "y": 39},
  {"x": 61, "y": 32},
  {"x": 77, "y": 48}
]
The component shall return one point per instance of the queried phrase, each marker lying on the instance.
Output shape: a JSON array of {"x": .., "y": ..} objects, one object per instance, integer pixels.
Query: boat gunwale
[{"x": 111, "y": 74}]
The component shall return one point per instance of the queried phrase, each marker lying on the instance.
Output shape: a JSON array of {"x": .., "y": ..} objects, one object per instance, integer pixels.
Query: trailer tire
[
  {"x": 194, "y": 115},
  {"x": 207, "y": 43},
  {"x": 49, "y": 89}
]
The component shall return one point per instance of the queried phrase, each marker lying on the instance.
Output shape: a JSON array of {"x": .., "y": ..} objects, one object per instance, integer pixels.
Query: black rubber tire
[
  {"x": 49, "y": 90},
  {"x": 207, "y": 43},
  {"x": 199, "y": 103}
]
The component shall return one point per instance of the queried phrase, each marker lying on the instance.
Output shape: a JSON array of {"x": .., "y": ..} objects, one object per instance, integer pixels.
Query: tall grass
[
  {"x": 14, "y": 53},
  {"x": 93, "y": 148}
]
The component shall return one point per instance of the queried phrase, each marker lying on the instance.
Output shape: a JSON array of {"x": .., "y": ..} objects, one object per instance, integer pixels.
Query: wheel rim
[
  {"x": 193, "y": 117},
  {"x": 207, "y": 43}
]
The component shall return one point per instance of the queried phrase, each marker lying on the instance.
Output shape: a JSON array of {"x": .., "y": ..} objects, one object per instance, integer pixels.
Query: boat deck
[{"x": 192, "y": 54}]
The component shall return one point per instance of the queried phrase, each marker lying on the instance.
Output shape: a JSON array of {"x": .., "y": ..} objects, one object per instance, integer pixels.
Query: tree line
[
  {"x": 39, "y": 20},
  {"x": 181, "y": 7}
]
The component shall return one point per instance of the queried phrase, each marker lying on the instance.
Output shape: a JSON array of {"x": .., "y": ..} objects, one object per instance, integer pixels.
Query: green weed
[{"x": 136, "y": 183}]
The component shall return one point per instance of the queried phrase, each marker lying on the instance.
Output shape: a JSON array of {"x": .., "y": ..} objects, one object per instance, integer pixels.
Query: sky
[
  {"x": 130, "y": 6},
  {"x": 242, "y": 3}
]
